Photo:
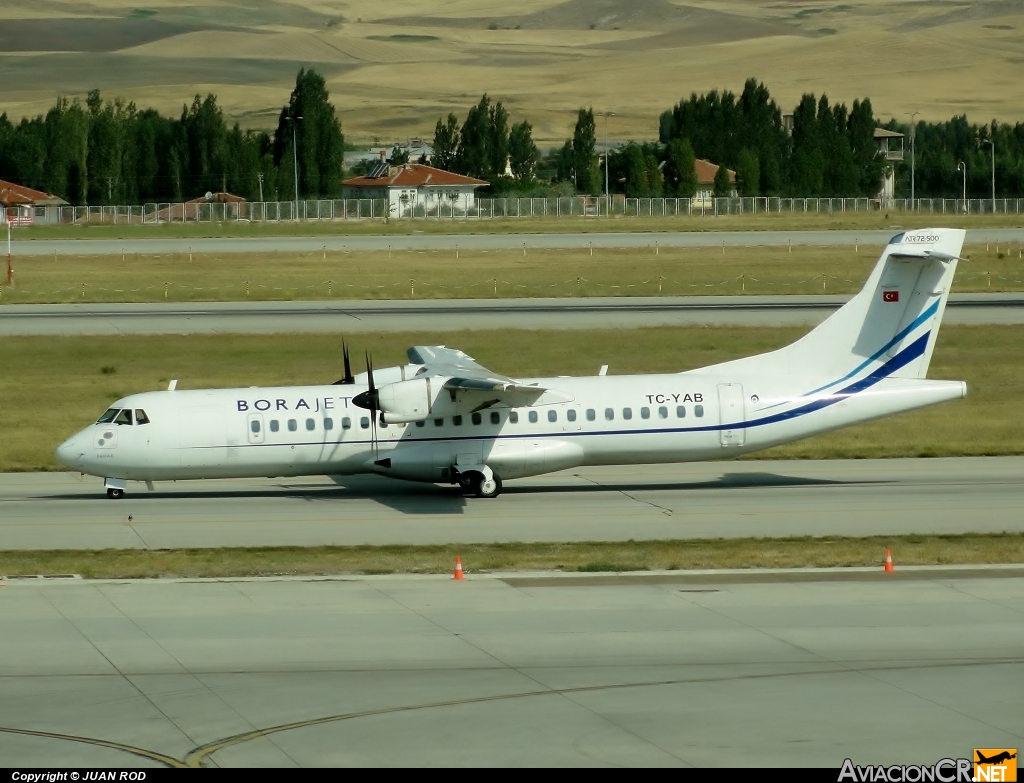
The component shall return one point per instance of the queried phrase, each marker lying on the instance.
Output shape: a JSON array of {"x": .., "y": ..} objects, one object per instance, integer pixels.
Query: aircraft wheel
[
  {"x": 114, "y": 493},
  {"x": 487, "y": 488}
]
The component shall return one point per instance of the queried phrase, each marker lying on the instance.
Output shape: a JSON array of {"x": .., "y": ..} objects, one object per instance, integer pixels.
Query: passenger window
[
  {"x": 364, "y": 422},
  {"x": 495, "y": 417},
  {"x": 627, "y": 413},
  {"x": 571, "y": 414},
  {"x": 292, "y": 425},
  {"x": 310, "y": 425},
  {"x": 609, "y": 414},
  {"x": 108, "y": 416},
  {"x": 698, "y": 410},
  {"x": 254, "y": 425},
  {"x": 346, "y": 423},
  {"x": 328, "y": 424},
  {"x": 662, "y": 412},
  {"x": 533, "y": 417},
  {"x": 645, "y": 413},
  {"x": 477, "y": 418},
  {"x": 274, "y": 425},
  {"x": 552, "y": 415},
  {"x": 438, "y": 422},
  {"x": 124, "y": 417},
  {"x": 513, "y": 417},
  {"x": 141, "y": 417},
  {"x": 456, "y": 421},
  {"x": 591, "y": 414},
  {"x": 680, "y": 411}
]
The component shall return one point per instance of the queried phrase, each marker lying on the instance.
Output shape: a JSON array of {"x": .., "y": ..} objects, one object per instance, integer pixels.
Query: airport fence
[{"x": 313, "y": 210}]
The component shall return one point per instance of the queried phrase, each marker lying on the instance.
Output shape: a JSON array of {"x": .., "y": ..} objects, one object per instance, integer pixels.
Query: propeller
[
  {"x": 348, "y": 380},
  {"x": 370, "y": 400}
]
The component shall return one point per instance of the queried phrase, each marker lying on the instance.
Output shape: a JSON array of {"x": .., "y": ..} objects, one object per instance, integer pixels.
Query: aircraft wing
[{"x": 469, "y": 382}]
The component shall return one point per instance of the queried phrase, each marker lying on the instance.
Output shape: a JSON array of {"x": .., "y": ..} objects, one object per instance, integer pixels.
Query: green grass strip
[{"x": 800, "y": 552}]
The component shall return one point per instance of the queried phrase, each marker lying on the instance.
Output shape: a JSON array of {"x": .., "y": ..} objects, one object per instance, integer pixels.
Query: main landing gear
[{"x": 481, "y": 483}]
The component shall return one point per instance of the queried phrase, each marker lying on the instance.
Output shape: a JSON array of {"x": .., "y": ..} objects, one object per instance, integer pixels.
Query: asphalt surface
[
  {"x": 645, "y": 502},
  {"x": 453, "y": 314},
  {"x": 27, "y": 247},
  {"x": 647, "y": 671}
]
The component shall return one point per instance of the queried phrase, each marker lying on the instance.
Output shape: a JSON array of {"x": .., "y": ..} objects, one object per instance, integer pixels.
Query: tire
[
  {"x": 487, "y": 489},
  {"x": 114, "y": 493}
]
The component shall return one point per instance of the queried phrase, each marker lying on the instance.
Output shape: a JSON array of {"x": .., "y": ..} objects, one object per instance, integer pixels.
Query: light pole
[
  {"x": 912, "y": 155},
  {"x": 606, "y": 115},
  {"x": 992, "y": 144},
  {"x": 961, "y": 166},
  {"x": 295, "y": 163}
]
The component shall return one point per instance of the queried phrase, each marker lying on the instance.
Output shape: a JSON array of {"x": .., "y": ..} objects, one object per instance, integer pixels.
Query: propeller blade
[
  {"x": 349, "y": 379},
  {"x": 369, "y": 399}
]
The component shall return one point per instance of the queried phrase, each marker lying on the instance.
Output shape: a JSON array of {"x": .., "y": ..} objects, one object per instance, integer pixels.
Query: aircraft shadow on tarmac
[{"x": 413, "y": 498}]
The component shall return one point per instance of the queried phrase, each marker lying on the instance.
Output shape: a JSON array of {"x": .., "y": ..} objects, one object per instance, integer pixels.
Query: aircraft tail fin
[{"x": 891, "y": 325}]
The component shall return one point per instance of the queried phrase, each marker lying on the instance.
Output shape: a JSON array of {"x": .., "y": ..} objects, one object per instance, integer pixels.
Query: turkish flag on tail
[{"x": 890, "y": 296}]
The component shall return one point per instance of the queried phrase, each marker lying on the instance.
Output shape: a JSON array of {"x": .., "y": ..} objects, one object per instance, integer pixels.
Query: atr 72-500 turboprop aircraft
[{"x": 443, "y": 418}]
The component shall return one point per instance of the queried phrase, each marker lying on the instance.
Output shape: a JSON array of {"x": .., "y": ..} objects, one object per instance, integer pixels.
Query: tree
[
  {"x": 522, "y": 152},
  {"x": 446, "y": 143},
  {"x": 635, "y": 171},
  {"x": 584, "y": 146},
  {"x": 399, "y": 156},
  {"x": 680, "y": 168},
  {"x": 566, "y": 168},
  {"x": 474, "y": 155},
  {"x": 320, "y": 142},
  {"x": 498, "y": 143},
  {"x": 748, "y": 173},
  {"x": 723, "y": 187}
]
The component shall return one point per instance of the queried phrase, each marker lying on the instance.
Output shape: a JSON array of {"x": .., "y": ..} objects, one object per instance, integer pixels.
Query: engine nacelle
[
  {"x": 407, "y": 401},
  {"x": 386, "y": 375}
]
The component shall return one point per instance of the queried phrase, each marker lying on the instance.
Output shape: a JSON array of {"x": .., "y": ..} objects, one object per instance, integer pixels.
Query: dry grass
[
  {"x": 437, "y": 274},
  {"x": 393, "y": 68},
  {"x": 805, "y": 552},
  {"x": 65, "y": 377}
]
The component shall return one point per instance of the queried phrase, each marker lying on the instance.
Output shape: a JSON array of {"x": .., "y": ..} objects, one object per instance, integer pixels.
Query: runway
[
  {"x": 362, "y": 316},
  {"x": 656, "y": 670},
  {"x": 485, "y": 241},
  {"x": 699, "y": 500}
]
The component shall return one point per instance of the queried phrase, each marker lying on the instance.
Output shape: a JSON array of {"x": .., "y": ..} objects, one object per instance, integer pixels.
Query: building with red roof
[
  {"x": 413, "y": 187},
  {"x": 20, "y": 203},
  {"x": 706, "y": 172}
]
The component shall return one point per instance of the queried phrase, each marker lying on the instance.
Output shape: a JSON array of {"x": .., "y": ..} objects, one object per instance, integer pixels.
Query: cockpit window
[
  {"x": 141, "y": 417},
  {"x": 108, "y": 417},
  {"x": 124, "y": 417}
]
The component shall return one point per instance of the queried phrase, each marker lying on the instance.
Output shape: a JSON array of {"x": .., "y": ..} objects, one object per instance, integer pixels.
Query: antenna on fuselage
[
  {"x": 603, "y": 370},
  {"x": 172, "y": 385}
]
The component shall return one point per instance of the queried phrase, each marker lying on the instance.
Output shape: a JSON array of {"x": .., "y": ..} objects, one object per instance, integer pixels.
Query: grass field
[
  {"x": 51, "y": 387},
  {"x": 825, "y": 552},
  {"x": 433, "y": 274},
  {"x": 865, "y": 221},
  {"x": 394, "y": 68}
]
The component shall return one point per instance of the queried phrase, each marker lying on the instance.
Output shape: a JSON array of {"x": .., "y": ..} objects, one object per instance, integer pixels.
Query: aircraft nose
[{"x": 70, "y": 452}]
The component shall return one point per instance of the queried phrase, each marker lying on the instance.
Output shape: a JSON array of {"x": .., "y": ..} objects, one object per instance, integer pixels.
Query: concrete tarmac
[
  {"x": 654, "y": 670},
  {"x": 646, "y": 502},
  {"x": 369, "y": 316},
  {"x": 484, "y": 241}
]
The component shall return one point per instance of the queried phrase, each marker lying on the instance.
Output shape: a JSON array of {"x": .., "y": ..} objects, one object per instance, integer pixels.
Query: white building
[{"x": 414, "y": 188}]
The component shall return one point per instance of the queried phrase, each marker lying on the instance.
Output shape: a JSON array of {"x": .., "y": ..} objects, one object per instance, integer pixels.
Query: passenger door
[{"x": 731, "y": 414}]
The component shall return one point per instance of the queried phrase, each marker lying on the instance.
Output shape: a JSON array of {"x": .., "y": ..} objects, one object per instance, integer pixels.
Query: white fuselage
[{"x": 310, "y": 430}]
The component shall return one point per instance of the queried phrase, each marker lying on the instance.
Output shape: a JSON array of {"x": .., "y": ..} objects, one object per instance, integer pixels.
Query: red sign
[{"x": 890, "y": 296}]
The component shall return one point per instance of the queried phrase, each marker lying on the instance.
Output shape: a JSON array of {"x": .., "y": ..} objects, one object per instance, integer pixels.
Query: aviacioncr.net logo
[{"x": 942, "y": 771}]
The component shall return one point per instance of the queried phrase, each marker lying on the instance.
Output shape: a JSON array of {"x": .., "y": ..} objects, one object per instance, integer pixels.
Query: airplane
[
  {"x": 445, "y": 419},
  {"x": 996, "y": 759}
]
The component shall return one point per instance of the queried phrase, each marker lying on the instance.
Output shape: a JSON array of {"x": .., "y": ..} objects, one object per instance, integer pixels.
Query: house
[
  {"x": 706, "y": 172},
  {"x": 196, "y": 209},
  {"x": 24, "y": 206},
  {"x": 414, "y": 188}
]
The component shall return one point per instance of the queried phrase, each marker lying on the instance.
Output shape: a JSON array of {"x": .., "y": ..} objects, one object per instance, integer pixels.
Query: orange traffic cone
[
  {"x": 888, "y": 561},
  {"x": 458, "y": 568}
]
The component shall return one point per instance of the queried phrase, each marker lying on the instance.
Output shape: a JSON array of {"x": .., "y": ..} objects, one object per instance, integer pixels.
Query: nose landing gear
[
  {"x": 114, "y": 493},
  {"x": 115, "y": 487}
]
